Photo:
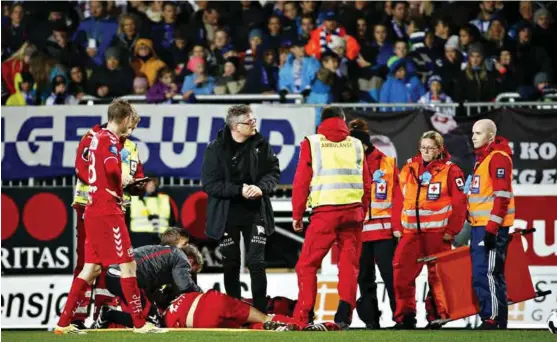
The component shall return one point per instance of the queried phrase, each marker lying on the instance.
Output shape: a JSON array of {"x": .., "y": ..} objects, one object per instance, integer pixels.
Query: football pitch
[{"x": 271, "y": 336}]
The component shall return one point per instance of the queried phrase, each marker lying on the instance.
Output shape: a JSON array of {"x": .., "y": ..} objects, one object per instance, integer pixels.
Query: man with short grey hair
[{"x": 240, "y": 172}]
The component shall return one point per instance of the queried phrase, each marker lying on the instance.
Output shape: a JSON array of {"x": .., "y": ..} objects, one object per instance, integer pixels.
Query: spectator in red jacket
[{"x": 321, "y": 37}]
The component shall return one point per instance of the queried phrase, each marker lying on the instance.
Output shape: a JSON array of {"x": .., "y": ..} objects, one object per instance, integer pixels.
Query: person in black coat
[{"x": 239, "y": 174}]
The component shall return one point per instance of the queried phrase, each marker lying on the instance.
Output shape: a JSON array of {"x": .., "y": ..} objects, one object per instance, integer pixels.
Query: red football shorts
[{"x": 107, "y": 240}]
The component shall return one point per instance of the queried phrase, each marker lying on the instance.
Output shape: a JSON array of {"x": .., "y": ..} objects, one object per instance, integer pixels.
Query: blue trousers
[{"x": 488, "y": 275}]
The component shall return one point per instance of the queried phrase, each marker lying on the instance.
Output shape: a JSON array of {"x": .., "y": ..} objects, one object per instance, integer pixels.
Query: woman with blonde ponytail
[
  {"x": 381, "y": 227},
  {"x": 434, "y": 209}
]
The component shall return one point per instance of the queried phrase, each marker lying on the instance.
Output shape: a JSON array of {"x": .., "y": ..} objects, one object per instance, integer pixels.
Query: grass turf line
[{"x": 354, "y": 335}]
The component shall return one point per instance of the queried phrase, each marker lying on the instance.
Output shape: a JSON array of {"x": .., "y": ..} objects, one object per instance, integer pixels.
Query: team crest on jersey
[
  {"x": 475, "y": 187},
  {"x": 260, "y": 230},
  {"x": 501, "y": 173},
  {"x": 433, "y": 191},
  {"x": 381, "y": 191},
  {"x": 113, "y": 149},
  {"x": 130, "y": 252}
]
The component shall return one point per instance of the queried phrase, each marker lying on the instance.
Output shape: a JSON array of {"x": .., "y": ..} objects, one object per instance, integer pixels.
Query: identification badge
[
  {"x": 433, "y": 191},
  {"x": 381, "y": 191},
  {"x": 475, "y": 187}
]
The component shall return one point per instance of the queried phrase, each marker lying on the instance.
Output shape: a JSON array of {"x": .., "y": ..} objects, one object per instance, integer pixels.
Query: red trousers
[
  {"x": 343, "y": 227},
  {"x": 406, "y": 269},
  {"x": 102, "y": 296}
]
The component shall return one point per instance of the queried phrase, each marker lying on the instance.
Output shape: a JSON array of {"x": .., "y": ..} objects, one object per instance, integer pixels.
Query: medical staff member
[
  {"x": 150, "y": 215},
  {"x": 434, "y": 210},
  {"x": 491, "y": 213},
  {"x": 381, "y": 227},
  {"x": 333, "y": 178}
]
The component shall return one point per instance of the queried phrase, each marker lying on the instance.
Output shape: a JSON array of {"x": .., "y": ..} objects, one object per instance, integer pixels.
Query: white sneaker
[
  {"x": 149, "y": 328},
  {"x": 70, "y": 329}
]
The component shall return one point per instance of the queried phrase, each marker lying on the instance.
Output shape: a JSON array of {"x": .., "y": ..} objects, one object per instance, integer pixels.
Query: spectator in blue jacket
[
  {"x": 95, "y": 34},
  {"x": 400, "y": 87},
  {"x": 199, "y": 82},
  {"x": 296, "y": 75}
]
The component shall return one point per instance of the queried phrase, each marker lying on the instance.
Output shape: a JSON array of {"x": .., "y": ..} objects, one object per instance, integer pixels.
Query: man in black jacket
[{"x": 240, "y": 172}]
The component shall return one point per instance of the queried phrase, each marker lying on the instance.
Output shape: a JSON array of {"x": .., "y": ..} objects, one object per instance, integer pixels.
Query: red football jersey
[{"x": 104, "y": 174}]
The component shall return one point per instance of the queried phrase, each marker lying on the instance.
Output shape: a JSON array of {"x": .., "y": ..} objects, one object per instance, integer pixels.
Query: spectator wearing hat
[
  {"x": 297, "y": 74},
  {"x": 541, "y": 87},
  {"x": 545, "y": 33},
  {"x": 199, "y": 82},
  {"x": 233, "y": 78},
  {"x": 530, "y": 58},
  {"x": 94, "y": 34},
  {"x": 398, "y": 26},
  {"x": 321, "y": 37},
  {"x": 25, "y": 94},
  {"x": 263, "y": 77},
  {"x": 435, "y": 95},
  {"x": 146, "y": 61},
  {"x": 485, "y": 15},
  {"x": 255, "y": 40},
  {"x": 113, "y": 79},
  {"x": 60, "y": 94},
  {"x": 477, "y": 84},
  {"x": 449, "y": 67},
  {"x": 400, "y": 87}
]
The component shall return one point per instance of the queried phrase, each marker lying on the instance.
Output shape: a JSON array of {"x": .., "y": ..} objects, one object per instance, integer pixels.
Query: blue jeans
[{"x": 488, "y": 275}]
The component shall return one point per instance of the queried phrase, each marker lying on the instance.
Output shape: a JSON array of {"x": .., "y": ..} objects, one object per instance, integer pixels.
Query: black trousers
[
  {"x": 382, "y": 253},
  {"x": 255, "y": 240}
]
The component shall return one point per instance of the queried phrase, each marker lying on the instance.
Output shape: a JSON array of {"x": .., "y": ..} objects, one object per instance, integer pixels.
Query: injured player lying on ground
[{"x": 212, "y": 309}]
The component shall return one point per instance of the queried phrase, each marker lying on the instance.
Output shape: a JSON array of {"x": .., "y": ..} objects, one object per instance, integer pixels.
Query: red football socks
[
  {"x": 76, "y": 295},
  {"x": 133, "y": 297}
]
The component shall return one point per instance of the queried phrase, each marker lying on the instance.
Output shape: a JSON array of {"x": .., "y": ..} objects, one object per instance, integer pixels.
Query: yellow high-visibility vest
[
  {"x": 141, "y": 209},
  {"x": 337, "y": 171},
  {"x": 130, "y": 161},
  {"x": 481, "y": 197}
]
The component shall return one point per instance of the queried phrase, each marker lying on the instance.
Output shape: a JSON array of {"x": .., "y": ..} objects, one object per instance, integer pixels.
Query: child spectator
[
  {"x": 24, "y": 95},
  {"x": 60, "y": 95},
  {"x": 199, "y": 82},
  {"x": 255, "y": 40},
  {"x": 164, "y": 89},
  {"x": 140, "y": 85},
  {"x": 114, "y": 78},
  {"x": 435, "y": 95},
  {"x": 400, "y": 87},
  {"x": 146, "y": 60},
  {"x": 232, "y": 80}
]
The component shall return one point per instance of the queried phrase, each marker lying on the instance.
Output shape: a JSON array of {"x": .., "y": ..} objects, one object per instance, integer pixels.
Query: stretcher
[{"x": 453, "y": 292}]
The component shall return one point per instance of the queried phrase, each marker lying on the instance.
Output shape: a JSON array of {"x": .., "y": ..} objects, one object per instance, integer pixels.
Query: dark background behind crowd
[{"x": 328, "y": 51}]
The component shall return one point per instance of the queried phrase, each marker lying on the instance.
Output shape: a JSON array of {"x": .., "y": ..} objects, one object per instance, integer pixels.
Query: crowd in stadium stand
[{"x": 330, "y": 51}]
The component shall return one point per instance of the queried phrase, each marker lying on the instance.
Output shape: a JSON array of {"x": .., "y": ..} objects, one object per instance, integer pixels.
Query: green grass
[{"x": 353, "y": 335}]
